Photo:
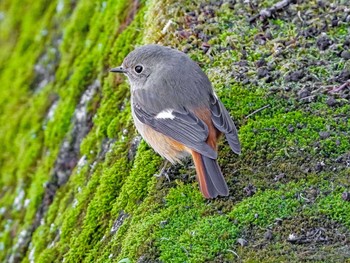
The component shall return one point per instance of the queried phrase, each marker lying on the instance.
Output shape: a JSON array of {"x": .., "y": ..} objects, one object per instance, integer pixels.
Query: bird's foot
[{"x": 163, "y": 171}]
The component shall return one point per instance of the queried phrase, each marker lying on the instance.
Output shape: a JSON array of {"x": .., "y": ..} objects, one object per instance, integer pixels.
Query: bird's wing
[
  {"x": 224, "y": 123},
  {"x": 182, "y": 126}
]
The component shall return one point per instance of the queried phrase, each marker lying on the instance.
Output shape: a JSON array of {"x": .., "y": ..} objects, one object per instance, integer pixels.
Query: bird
[{"x": 177, "y": 112}]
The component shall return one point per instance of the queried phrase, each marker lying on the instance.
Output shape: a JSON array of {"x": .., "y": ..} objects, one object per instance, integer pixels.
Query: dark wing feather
[
  {"x": 185, "y": 128},
  {"x": 223, "y": 122}
]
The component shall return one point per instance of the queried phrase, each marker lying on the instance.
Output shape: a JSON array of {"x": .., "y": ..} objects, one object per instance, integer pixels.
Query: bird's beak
[{"x": 118, "y": 70}]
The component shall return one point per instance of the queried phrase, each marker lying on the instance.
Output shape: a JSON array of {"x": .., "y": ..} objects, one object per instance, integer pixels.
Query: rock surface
[{"x": 76, "y": 182}]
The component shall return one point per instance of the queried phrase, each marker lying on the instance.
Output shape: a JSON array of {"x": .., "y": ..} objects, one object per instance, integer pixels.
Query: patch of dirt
[
  {"x": 118, "y": 222},
  {"x": 314, "y": 30},
  {"x": 301, "y": 238},
  {"x": 45, "y": 68}
]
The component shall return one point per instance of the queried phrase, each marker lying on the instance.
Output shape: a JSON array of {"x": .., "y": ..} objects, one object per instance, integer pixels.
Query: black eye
[{"x": 138, "y": 69}]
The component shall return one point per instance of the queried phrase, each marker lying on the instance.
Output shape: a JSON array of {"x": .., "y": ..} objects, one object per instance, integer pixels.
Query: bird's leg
[{"x": 163, "y": 172}]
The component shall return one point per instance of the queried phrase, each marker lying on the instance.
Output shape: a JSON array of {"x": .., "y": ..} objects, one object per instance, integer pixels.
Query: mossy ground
[{"x": 76, "y": 183}]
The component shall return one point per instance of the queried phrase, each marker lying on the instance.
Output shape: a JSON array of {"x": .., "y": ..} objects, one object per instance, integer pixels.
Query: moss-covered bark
[{"x": 77, "y": 182}]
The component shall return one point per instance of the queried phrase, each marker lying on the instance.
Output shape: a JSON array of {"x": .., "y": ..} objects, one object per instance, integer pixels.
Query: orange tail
[{"x": 211, "y": 181}]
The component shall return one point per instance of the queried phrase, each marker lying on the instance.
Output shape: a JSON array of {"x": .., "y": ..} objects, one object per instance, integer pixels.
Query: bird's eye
[{"x": 138, "y": 69}]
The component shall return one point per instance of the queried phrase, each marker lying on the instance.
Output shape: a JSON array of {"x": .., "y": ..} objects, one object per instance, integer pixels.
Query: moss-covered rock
[{"x": 77, "y": 182}]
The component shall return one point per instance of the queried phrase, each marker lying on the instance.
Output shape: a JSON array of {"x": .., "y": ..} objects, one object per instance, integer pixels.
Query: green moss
[
  {"x": 276, "y": 132},
  {"x": 198, "y": 243},
  {"x": 112, "y": 207},
  {"x": 189, "y": 235},
  {"x": 87, "y": 203},
  {"x": 335, "y": 207}
]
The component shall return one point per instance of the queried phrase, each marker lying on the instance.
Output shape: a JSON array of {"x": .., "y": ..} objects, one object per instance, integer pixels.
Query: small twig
[
  {"x": 233, "y": 252},
  {"x": 299, "y": 15},
  {"x": 342, "y": 86},
  {"x": 166, "y": 27},
  {"x": 308, "y": 98},
  {"x": 258, "y": 110},
  {"x": 186, "y": 251},
  {"x": 286, "y": 152},
  {"x": 322, "y": 89},
  {"x": 264, "y": 14},
  {"x": 304, "y": 198}
]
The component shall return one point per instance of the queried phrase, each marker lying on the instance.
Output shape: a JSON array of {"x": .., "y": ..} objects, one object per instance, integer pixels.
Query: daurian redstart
[{"x": 177, "y": 112}]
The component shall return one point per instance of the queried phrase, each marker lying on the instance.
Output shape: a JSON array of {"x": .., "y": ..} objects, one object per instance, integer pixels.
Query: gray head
[{"x": 155, "y": 62}]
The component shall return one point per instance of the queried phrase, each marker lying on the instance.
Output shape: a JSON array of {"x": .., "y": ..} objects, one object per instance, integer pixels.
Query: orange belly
[{"x": 168, "y": 148}]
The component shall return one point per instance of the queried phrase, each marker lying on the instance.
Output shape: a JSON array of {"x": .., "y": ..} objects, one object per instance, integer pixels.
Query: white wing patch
[{"x": 165, "y": 114}]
